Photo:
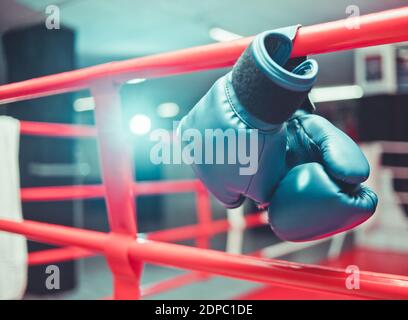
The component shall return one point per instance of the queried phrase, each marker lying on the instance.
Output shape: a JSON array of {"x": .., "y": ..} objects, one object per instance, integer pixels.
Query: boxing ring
[{"x": 123, "y": 247}]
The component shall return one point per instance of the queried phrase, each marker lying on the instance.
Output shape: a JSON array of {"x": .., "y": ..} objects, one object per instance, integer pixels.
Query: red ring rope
[{"x": 376, "y": 28}]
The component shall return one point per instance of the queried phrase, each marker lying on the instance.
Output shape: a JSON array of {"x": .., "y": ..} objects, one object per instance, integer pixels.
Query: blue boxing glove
[
  {"x": 235, "y": 137},
  {"x": 321, "y": 194}
]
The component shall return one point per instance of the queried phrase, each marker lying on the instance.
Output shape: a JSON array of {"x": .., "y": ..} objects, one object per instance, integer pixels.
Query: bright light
[
  {"x": 336, "y": 93},
  {"x": 135, "y": 81},
  {"x": 222, "y": 35},
  {"x": 140, "y": 124},
  {"x": 84, "y": 104},
  {"x": 168, "y": 109}
]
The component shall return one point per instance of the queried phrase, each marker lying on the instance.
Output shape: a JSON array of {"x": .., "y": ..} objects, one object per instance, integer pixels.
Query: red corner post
[
  {"x": 204, "y": 217},
  {"x": 117, "y": 175}
]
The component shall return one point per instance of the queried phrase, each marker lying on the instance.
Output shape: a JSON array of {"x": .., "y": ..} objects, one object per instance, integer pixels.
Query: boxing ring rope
[
  {"x": 124, "y": 250},
  {"x": 56, "y": 129},
  {"x": 169, "y": 235},
  {"x": 374, "y": 29},
  {"x": 61, "y": 193},
  {"x": 374, "y": 285}
]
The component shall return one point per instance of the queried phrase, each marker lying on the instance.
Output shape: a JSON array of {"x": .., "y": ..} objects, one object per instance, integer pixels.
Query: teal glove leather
[
  {"x": 248, "y": 107},
  {"x": 306, "y": 170},
  {"x": 321, "y": 194}
]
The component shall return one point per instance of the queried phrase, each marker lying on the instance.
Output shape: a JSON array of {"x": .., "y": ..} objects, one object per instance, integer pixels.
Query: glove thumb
[{"x": 339, "y": 154}]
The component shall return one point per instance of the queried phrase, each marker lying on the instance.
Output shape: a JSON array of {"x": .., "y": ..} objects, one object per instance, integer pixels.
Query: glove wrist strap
[{"x": 263, "y": 85}]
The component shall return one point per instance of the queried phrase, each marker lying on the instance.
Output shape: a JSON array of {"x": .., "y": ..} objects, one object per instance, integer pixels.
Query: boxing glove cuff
[{"x": 261, "y": 82}]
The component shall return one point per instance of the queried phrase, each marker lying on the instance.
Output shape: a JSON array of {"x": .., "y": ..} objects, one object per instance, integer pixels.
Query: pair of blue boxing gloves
[{"x": 308, "y": 173}]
